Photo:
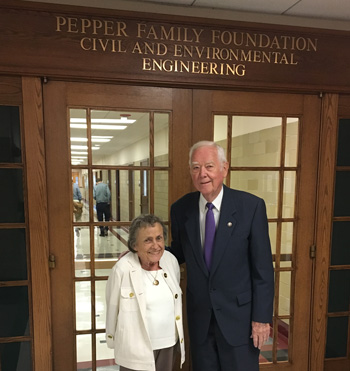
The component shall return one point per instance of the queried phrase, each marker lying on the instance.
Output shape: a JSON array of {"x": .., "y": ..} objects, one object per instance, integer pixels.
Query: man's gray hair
[
  {"x": 207, "y": 143},
  {"x": 143, "y": 221}
]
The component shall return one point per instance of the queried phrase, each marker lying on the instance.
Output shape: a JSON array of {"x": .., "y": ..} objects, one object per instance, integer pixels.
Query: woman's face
[{"x": 150, "y": 246}]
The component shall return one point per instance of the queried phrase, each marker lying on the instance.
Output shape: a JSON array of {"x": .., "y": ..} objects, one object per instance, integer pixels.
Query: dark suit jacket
[{"x": 240, "y": 286}]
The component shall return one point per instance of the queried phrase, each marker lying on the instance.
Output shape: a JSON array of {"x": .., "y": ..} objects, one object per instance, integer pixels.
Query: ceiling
[{"x": 291, "y": 12}]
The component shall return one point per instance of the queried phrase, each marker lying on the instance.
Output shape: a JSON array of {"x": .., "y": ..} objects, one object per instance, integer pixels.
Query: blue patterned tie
[{"x": 209, "y": 234}]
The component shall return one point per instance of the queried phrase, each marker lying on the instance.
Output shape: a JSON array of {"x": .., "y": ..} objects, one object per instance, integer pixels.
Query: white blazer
[{"x": 126, "y": 330}]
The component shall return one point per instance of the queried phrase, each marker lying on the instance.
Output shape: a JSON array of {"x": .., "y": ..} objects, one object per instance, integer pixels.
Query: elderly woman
[{"x": 144, "y": 303}]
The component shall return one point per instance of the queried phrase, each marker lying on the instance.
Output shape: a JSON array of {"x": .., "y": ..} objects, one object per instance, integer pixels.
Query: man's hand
[{"x": 260, "y": 333}]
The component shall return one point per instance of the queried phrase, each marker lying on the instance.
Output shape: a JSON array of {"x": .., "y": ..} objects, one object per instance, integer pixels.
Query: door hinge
[
  {"x": 313, "y": 251},
  {"x": 52, "y": 261}
]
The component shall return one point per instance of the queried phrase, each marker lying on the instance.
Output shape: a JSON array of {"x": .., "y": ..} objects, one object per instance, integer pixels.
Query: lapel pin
[{"x": 229, "y": 224}]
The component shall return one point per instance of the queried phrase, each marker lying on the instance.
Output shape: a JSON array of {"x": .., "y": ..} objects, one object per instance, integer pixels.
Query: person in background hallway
[
  {"x": 77, "y": 206},
  {"x": 102, "y": 195},
  {"x": 144, "y": 303},
  {"x": 230, "y": 292}
]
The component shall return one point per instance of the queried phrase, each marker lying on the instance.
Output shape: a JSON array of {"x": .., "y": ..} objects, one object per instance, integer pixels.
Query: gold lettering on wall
[{"x": 184, "y": 49}]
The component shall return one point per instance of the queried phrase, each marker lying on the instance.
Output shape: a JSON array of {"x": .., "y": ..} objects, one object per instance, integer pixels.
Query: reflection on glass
[
  {"x": 220, "y": 131},
  {"x": 119, "y": 138},
  {"x": 288, "y": 194},
  {"x": 342, "y": 194},
  {"x": 161, "y": 139},
  {"x": 78, "y": 136},
  {"x": 15, "y": 355},
  {"x": 284, "y": 293},
  {"x": 11, "y": 187},
  {"x": 80, "y": 181},
  {"x": 13, "y": 255},
  {"x": 84, "y": 352},
  {"x": 10, "y": 135},
  {"x": 339, "y": 291},
  {"x": 292, "y": 136},
  {"x": 14, "y": 311},
  {"x": 343, "y": 156},
  {"x": 103, "y": 353},
  {"x": 161, "y": 194},
  {"x": 82, "y": 251},
  {"x": 83, "y": 305},
  {"x": 256, "y": 141},
  {"x": 263, "y": 184},
  {"x": 100, "y": 304},
  {"x": 337, "y": 337},
  {"x": 340, "y": 243}
]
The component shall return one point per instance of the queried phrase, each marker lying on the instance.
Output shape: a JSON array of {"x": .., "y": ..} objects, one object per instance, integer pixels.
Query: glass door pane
[{"x": 120, "y": 169}]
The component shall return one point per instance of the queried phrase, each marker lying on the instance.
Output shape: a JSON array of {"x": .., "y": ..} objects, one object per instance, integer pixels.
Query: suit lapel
[{"x": 227, "y": 223}]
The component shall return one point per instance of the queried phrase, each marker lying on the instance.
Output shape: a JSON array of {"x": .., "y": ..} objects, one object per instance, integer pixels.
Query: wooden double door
[{"x": 272, "y": 144}]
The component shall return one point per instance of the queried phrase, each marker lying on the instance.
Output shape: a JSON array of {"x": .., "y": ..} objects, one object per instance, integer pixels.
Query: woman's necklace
[{"x": 155, "y": 282}]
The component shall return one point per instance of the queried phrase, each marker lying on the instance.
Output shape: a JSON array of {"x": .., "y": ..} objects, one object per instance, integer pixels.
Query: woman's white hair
[{"x": 207, "y": 143}]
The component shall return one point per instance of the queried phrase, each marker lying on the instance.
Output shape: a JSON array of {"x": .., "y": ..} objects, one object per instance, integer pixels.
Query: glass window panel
[
  {"x": 337, "y": 337},
  {"x": 100, "y": 304},
  {"x": 10, "y": 135},
  {"x": 125, "y": 194},
  {"x": 256, "y": 141},
  {"x": 84, "y": 352},
  {"x": 284, "y": 293},
  {"x": 287, "y": 239},
  {"x": 83, "y": 305},
  {"x": 220, "y": 131},
  {"x": 14, "y": 311},
  {"x": 339, "y": 291},
  {"x": 282, "y": 340},
  {"x": 82, "y": 251},
  {"x": 343, "y": 157},
  {"x": 342, "y": 194},
  {"x": 266, "y": 350},
  {"x": 107, "y": 250},
  {"x": 292, "y": 136},
  {"x": 13, "y": 255},
  {"x": 144, "y": 192},
  {"x": 340, "y": 243},
  {"x": 16, "y": 356},
  {"x": 78, "y": 136},
  {"x": 11, "y": 185},
  {"x": 261, "y": 183},
  {"x": 104, "y": 355},
  {"x": 161, "y": 139},
  {"x": 80, "y": 182},
  {"x": 102, "y": 198},
  {"x": 273, "y": 235},
  {"x": 161, "y": 180},
  {"x": 288, "y": 194},
  {"x": 119, "y": 138}
]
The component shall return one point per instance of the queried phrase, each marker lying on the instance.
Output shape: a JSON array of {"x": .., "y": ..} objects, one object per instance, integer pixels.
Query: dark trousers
[
  {"x": 216, "y": 354},
  {"x": 103, "y": 210}
]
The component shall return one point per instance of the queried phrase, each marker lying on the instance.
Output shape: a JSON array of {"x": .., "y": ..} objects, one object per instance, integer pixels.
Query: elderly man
[{"x": 230, "y": 282}]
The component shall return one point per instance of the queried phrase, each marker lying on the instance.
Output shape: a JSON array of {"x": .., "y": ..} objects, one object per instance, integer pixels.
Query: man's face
[{"x": 207, "y": 172}]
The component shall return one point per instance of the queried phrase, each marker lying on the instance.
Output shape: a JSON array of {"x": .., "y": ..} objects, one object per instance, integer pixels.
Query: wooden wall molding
[{"x": 107, "y": 45}]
